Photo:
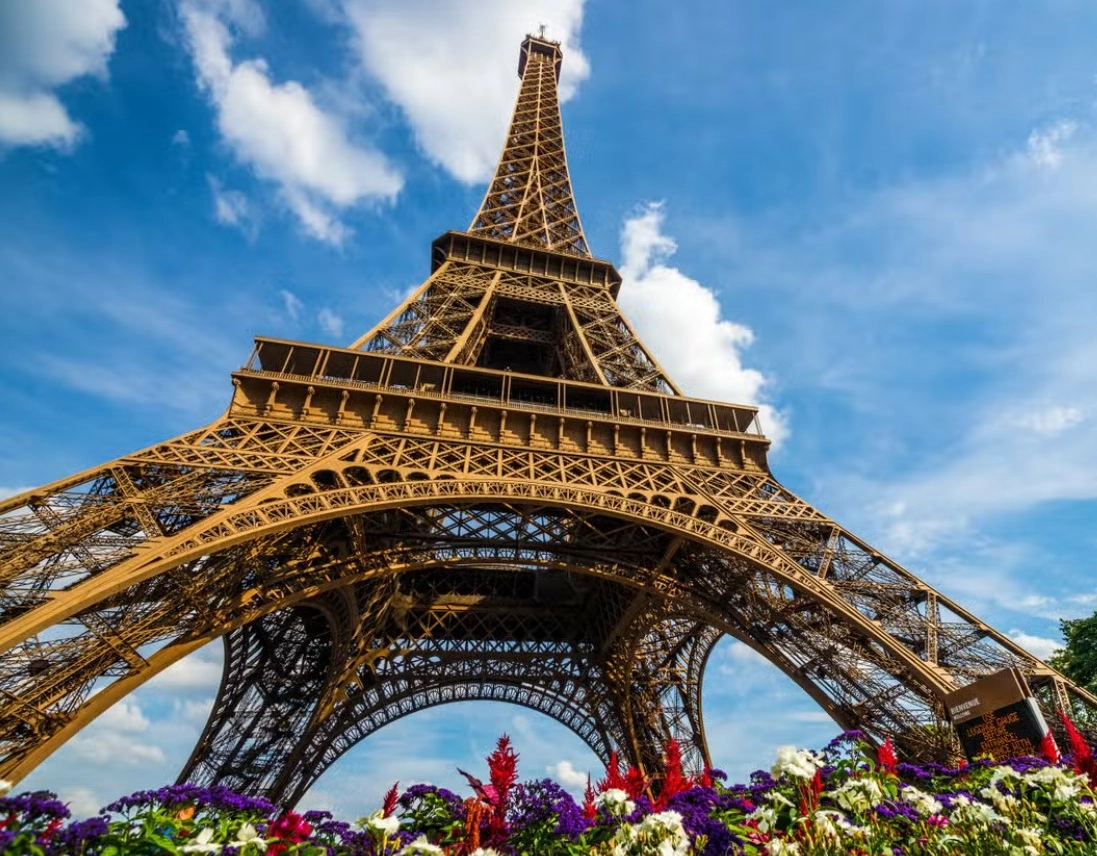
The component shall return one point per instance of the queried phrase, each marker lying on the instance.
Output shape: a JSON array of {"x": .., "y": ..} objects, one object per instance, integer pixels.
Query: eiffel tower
[{"x": 497, "y": 493}]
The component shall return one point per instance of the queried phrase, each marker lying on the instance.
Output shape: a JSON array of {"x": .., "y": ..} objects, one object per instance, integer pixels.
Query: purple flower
[
  {"x": 536, "y": 802},
  {"x": 217, "y": 798},
  {"x": 417, "y": 792},
  {"x": 40, "y": 804},
  {"x": 696, "y": 805},
  {"x": 840, "y": 744},
  {"x": 75, "y": 837}
]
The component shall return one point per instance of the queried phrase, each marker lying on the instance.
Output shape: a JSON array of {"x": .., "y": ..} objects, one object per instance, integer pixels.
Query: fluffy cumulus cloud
[
  {"x": 116, "y": 737},
  {"x": 1041, "y": 646},
  {"x": 565, "y": 773},
  {"x": 279, "y": 129},
  {"x": 681, "y": 321},
  {"x": 440, "y": 61},
  {"x": 43, "y": 45}
]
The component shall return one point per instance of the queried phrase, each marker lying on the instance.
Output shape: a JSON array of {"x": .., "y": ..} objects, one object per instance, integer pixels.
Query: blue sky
[{"x": 876, "y": 219}]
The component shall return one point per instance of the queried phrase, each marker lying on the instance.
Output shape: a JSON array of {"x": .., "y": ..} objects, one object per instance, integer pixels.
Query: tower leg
[{"x": 275, "y": 669}]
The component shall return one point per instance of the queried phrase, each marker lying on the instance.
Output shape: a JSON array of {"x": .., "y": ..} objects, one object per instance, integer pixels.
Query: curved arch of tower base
[
  {"x": 418, "y": 645},
  {"x": 605, "y": 606}
]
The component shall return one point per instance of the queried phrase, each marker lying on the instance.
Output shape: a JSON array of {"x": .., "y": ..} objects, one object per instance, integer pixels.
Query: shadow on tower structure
[{"x": 497, "y": 493}]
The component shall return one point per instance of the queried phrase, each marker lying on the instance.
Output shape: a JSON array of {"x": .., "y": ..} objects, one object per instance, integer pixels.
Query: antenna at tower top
[{"x": 541, "y": 31}]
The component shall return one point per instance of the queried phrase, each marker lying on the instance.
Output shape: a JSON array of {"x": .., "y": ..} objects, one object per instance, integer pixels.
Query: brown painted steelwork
[{"x": 497, "y": 493}]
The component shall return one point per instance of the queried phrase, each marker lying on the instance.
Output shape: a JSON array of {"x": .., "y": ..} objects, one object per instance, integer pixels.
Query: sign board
[{"x": 997, "y": 716}]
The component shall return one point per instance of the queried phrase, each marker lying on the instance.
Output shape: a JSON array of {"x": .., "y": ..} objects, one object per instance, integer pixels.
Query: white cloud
[
  {"x": 36, "y": 118},
  {"x": 1052, "y": 420},
  {"x": 451, "y": 68},
  {"x": 1041, "y": 646},
  {"x": 113, "y": 739},
  {"x": 330, "y": 322},
  {"x": 124, "y": 716},
  {"x": 230, "y": 207},
  {"x": 1044, "y": 145},
  {"x": 292, "y": 304},
  {"x": 85, "y": 802},
  {"x": 959, "y": 309},
  {"x": 565, "y": 773},
  {"x": 43, "y": 45},
  {"x": 245, "y": 14},
  {"x": 681, "y": 321},
  {"x": 281, "y": 132},
  {"x": 181, "y": 139},
  {"x": 199, "y": 671}
]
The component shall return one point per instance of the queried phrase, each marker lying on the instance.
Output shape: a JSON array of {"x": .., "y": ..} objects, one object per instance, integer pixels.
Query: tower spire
[{"x": 530, "y": 201}]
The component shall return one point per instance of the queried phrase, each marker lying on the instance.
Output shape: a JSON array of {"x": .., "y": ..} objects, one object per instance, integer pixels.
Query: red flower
[
  {"x": 1081, "y": 753},
  {"x": 50, "y": 829},
  {"x": 290, "y": 828},
  {"x": 389, "y": 804},
  {"x": 1048, "y": 749},
  {"x": 590, "y": 810},
  {"x": 885, "y": 754},
  {"x": 674, "y": 780},
  {"x": 632, "y": 782},
  {"x": 810, "y": 793},
  {"x": 503, "y": 767},
  {"x": 503, "y": 773},
  {"x": 635, "y": 783},
  {"x": 613, "y": 780}
]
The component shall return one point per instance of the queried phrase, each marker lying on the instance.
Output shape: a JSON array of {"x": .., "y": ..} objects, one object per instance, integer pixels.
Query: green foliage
[{"x": 1078, "y": 658}]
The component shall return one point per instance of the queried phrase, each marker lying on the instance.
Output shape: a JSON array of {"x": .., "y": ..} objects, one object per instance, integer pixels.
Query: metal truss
[
  {"x": 496, "y": 494},
  {"x": 530, "y": 202}
]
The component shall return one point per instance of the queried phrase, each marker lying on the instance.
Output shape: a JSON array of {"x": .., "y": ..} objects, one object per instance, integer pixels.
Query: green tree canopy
[{"x": 1078, "y": 658}]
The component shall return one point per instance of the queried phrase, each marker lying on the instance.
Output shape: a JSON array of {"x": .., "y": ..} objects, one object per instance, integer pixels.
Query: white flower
[
  {"x": 5, "y": 787},
  {"x": 616, "y": 802},
  {"x": 777, "y": 847},
  {"x": 422, "y": 847},
  {"x": 831, "y": 824},
  {"x": 485, "y": 851},
  {"x": 658, "y": 834},
  {"x": 779, "y": 798},
  {"x": 1031, "y": 839},
  {"x": 796, "y": 763},
  {"x": 663, "y": 821},
  {"x": 1064, "y": 792},
  {"x": 765, "y": 817},
  {"x": 1001, "y": 802},
  {"x": 1003, "y": 772},
  {"x": 202, "y": 843},
  {"x": 976, "y": 813},
  {"x": 377, "y": 822},
  {"x": 859, "y": 794},
  {"x": 246, "y": 835},
  {"x": 920, "y": 800}
]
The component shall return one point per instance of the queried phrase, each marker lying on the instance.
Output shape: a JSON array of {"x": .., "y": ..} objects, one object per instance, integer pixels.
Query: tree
[{"x": 1078, "y": 658}]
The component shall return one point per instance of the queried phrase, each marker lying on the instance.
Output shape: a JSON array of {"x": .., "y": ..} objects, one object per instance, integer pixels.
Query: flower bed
[{"x": 847, "y": 799}]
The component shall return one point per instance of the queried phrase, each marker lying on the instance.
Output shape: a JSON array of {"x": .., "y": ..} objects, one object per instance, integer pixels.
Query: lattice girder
[
  {"x": 463, "y": 306},
  {"x": 728, "y": 572},
  {"x": 530, "y": 201},
  {"x": 401, "y": 669}
]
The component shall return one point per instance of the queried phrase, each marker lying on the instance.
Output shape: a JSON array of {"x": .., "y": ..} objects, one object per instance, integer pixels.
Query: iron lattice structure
[{"x": 497, "y": 493}]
